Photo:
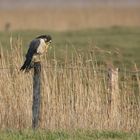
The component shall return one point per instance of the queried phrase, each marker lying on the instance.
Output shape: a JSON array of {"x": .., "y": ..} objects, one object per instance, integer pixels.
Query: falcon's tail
[{"x": 27, "y": 65}]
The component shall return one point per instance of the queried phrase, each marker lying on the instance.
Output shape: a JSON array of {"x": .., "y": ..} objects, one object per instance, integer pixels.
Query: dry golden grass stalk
[{"x": 74, "y": 95}]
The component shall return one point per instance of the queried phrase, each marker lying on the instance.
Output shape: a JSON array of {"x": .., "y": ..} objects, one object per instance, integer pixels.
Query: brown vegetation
[
  {"x": 74, "y": 95},
  {"x": 69, "y": 18}
]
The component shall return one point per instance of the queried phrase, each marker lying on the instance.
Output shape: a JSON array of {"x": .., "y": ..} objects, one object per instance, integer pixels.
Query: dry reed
[
  {"x": 74, "y": 95},
  {"x": 69, "y": 18}
]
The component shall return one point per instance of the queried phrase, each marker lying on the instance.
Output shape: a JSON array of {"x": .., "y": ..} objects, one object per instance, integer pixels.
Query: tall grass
[{"x": 74, "y": 94}]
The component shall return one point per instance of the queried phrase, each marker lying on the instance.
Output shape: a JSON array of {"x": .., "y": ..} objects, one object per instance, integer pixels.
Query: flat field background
[
  {"x": 113, "y": 28},
  {"x": 69, "y": 18},
  {"x": 115, "y": 45}
]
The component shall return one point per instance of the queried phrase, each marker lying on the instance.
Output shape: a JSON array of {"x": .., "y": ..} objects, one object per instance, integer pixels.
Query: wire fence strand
[{"x": 72, "y": 68}]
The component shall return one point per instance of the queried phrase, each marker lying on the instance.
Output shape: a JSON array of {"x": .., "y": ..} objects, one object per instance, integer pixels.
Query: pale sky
[{"x": 34, "y": 3}]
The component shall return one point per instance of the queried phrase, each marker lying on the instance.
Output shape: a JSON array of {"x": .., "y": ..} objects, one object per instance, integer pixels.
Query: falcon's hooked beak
[{"x": 48, "y": 43}]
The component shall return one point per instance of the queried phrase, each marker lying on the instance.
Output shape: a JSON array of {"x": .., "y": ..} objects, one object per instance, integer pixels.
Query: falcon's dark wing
[{"x": 31, "y": 51}]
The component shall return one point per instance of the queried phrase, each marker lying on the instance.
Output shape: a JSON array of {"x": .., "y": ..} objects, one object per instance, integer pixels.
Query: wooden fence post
[
  {"x": 36, "y": 95},
  {"x": 113, "y": 98}
]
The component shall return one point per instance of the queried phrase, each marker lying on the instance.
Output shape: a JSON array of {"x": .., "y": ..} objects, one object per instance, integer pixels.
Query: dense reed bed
[{"x": 74, "y": 94}]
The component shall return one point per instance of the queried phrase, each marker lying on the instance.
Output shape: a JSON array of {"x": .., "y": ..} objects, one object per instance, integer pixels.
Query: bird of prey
[{"x": 37, "y": 48}]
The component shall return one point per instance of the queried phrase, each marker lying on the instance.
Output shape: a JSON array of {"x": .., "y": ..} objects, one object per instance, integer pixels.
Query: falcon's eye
[
  {"x": 48, "y": 43},
  {"x": 45, "y": 39}
]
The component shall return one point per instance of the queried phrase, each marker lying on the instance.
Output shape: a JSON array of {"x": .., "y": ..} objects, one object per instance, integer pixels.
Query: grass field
[
  {"x": 117, "y": 44},
  {"x": 59, "y": 135}
]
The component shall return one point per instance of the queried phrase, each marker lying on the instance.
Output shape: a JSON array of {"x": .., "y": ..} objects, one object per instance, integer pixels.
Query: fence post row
[{"x": 113, "y": 97}]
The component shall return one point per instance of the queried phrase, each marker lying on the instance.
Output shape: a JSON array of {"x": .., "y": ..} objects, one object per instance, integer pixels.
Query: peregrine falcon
[{"x": 37, "y": 48}]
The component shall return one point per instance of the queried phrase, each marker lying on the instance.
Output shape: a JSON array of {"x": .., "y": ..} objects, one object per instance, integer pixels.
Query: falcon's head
[{"x": 47, "y": 38}]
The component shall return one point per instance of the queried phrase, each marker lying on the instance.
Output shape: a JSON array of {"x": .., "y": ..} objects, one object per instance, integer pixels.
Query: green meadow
[
  {"x": 116, "y": 45},
  {"x": 62, "y": 135}
]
